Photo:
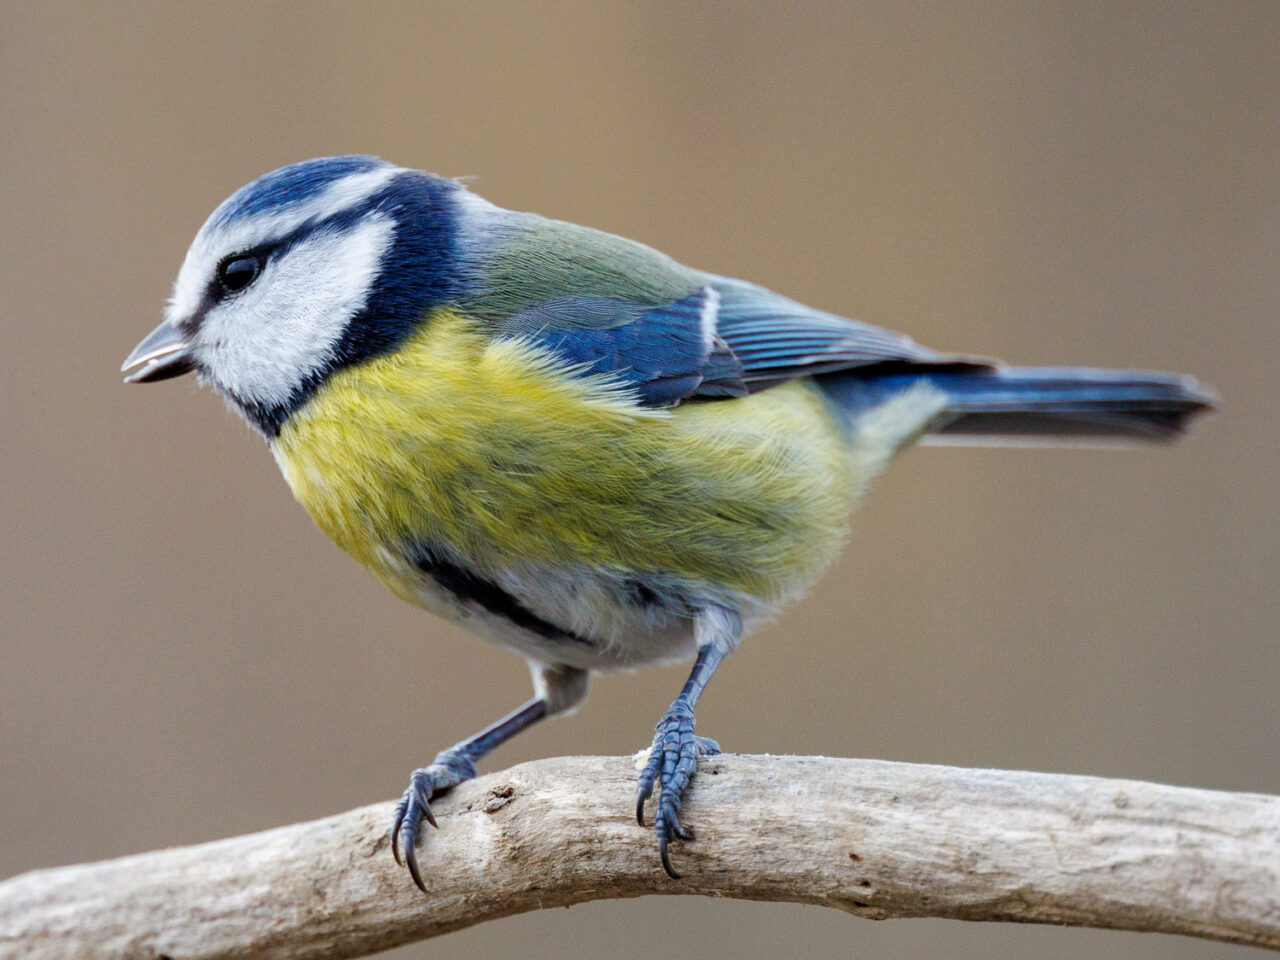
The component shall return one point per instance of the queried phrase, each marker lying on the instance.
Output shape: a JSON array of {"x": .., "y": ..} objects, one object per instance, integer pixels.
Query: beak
[{"x": 165, "y": 352}]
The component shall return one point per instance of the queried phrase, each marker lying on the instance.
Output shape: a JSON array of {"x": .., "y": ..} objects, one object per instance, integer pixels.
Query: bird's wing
[
  {"x": 609, "y": 306},
  {"x": 666, "y": 354},
  {"x": 776, "y": 339}
]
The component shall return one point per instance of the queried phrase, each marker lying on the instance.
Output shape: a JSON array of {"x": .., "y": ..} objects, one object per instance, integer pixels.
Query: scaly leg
[
  {"x": 557, "y": 688},
  {"x": 673, "y": 757}
]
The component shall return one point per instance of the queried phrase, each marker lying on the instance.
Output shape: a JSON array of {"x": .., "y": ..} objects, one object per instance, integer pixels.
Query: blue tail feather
[{"x": 1039, "y": 403}]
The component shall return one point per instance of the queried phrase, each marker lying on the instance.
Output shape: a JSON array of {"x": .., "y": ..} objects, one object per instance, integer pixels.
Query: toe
[
  {"x": 422, "y": 785},
  {"x": 648, "y": 777},
  {"x": 707, "y": 747},
  {"x": 673, "y": 759},
  {"x": 406, "y": 825}
]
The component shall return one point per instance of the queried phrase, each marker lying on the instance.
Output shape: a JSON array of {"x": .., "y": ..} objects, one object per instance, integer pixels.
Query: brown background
[{"x": 185, "y": 657}]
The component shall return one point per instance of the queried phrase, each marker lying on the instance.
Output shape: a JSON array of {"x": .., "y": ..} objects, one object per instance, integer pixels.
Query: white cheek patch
[
  {"x": 217, "y": 240},
  {"x": 260, "y": 345}
]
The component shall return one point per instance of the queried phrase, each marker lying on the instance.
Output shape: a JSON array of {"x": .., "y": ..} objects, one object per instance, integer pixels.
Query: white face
[{"x": 261, "y": 342}]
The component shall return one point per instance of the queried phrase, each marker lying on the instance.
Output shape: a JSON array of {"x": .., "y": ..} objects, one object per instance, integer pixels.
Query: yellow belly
[{"x": 486, "y": 447}]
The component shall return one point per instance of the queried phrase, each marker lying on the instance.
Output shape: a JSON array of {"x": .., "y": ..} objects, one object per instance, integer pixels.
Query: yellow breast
[{"x": 488, "y": 447}]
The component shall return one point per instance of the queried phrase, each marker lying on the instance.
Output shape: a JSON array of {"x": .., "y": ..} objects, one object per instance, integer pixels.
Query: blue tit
[{"x": 584, "y": 451}]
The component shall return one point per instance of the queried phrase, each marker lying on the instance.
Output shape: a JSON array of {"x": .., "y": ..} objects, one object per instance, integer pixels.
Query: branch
[{"x": 875, "y": 839}]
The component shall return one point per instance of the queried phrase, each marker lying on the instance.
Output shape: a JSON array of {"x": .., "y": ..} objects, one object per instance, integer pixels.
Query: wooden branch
[{"x": 876, "y": 839}]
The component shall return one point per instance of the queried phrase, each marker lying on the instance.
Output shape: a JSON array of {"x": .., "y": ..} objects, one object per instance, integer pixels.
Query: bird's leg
[
  {"x": 673, "y": 757},
  {"x": 557, "y": 689}
]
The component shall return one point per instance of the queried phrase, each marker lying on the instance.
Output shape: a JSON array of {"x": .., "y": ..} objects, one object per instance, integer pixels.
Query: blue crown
[{"x": 290, "y": 185}]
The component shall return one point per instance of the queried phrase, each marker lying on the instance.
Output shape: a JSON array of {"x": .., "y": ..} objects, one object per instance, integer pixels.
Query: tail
[{"x": 993, "y": 406}]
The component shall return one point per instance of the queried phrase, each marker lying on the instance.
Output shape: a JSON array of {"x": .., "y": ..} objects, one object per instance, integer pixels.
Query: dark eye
[{"x": 237, "y": 273}]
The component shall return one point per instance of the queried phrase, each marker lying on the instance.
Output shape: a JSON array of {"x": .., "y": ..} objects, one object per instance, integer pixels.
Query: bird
[{"x": 580, "y": 449}]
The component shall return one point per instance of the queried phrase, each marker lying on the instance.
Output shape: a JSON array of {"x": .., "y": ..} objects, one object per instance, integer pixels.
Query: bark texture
[{"x": 873, "y": 838}]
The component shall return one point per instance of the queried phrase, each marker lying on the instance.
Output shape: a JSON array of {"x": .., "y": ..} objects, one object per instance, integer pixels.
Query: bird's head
[{"x": 308, "y": 269}]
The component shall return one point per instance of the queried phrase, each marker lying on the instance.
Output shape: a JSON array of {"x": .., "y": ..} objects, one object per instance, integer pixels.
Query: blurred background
[{"x": 185, "y": 657}]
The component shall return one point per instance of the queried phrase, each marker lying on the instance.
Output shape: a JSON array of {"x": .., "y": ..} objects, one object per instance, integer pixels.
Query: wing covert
[
  {"x": 726, "y": 339},
  {"x": 666, "y": 354}
]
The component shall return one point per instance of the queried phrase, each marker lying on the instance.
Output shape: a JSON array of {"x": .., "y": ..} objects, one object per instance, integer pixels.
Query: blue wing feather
[
  {"x": 726, "y": 339},
  {"x": 777, "y": 339},
  {"x": 664, "y": 353}
]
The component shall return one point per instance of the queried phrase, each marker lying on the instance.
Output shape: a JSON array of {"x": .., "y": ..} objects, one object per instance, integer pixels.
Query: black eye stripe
[{"x": 219, "y": 288}]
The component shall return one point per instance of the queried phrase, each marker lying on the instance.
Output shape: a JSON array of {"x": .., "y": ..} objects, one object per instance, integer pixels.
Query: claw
[
  {"x": 398, "y": 819},
  {"x": 415, "y": 806},
  {"x": 666, "y": 859},
  {"x": 411, "y": 860},
  {"x": 405, "y": 829},
  {"x": 644, "y": 786}
]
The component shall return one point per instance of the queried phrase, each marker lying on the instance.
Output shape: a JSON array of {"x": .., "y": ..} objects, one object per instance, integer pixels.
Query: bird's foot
[
  {"x": 449, "y": 769},
  {"x": 672, "y": 761}
]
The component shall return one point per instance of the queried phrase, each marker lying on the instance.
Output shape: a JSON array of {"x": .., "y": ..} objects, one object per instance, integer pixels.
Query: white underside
[{"x": 624, "y": 635}]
